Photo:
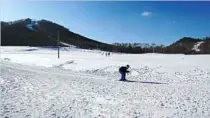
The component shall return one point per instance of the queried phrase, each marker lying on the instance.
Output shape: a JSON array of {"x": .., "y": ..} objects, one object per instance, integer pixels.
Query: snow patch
[
  {"x": 196, "y": 46},
  {"x": 66, "y": 44},
  {"x": 31, "y": 25}
]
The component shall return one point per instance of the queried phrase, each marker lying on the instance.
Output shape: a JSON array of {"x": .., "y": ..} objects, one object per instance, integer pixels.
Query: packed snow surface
[{"x": 84, "y": 84}]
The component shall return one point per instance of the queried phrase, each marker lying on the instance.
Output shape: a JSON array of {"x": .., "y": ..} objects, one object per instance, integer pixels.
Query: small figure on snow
[
  {"x": 108, "y": 54},
  {"x": 123, "y": 70}
]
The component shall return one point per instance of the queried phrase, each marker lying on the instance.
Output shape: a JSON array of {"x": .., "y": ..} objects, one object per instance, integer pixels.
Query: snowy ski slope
[{"x": 84, "y": 84}]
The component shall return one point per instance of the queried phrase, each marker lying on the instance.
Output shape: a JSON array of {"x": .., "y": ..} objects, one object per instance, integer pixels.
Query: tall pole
[{"x": 58, "y": 43}]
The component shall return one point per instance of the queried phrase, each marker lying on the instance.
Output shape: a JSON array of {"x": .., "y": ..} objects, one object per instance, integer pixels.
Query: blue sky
[{"x": 142, "y": 22}]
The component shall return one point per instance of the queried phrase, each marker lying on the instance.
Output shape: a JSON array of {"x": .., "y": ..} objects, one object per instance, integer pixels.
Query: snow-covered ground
[{"x": 84, "y": 83}]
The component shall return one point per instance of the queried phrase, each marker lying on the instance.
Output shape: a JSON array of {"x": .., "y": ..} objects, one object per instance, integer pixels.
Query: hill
[
  {"x": 190, "y": 45},
  {"x": 28, "y": 32}
]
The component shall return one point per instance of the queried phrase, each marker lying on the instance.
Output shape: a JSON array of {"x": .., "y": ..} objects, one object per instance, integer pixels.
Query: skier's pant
[{"x": 122, "y": 76}]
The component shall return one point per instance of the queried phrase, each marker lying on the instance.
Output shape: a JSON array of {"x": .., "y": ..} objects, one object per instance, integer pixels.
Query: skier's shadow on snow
[
  {"x": 30, "y": 49},
  {"x": 145, "y": 82}
]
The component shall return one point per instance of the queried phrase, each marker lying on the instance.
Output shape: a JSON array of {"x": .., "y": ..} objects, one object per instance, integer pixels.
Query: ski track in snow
[{"x": 155, "y": 90}]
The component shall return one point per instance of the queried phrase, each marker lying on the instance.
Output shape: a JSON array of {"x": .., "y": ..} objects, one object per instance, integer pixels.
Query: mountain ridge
[{"x": 28, "y": 32}]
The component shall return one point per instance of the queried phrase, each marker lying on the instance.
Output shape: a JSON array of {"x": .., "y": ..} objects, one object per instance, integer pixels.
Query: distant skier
[
  {"x": 123, "y": 70},
  {"x": 108, "y": 54}
]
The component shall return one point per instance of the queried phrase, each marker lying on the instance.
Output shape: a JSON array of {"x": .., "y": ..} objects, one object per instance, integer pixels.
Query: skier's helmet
[{"x": 127, "y": 66}]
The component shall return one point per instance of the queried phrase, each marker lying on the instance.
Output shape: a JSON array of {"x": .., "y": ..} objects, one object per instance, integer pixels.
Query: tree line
[{"x": 184, "y": 45}]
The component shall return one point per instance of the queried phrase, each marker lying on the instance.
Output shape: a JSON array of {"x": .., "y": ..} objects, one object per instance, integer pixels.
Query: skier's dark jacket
[{"x": 123, "y": 69}]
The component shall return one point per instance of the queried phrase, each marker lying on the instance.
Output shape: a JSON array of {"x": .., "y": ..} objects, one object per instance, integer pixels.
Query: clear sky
[{"x": 141, "y": 22}]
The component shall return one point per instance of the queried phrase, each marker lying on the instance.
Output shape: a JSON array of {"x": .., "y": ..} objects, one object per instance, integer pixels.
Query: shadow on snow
[{"x": 145, "y": 82}]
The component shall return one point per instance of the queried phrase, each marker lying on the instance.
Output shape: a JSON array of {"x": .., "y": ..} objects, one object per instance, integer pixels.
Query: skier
[
  {"x": 123, "y": 70},
  {"x": 109, "y": 54}
]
